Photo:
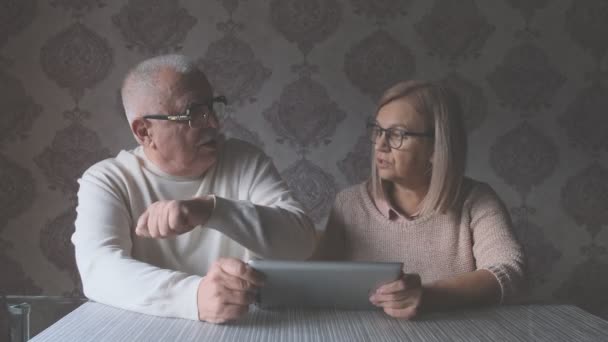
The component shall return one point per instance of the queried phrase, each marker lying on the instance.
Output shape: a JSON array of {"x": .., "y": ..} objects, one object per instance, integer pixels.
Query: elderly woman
[{"x": 452, "y": 233}]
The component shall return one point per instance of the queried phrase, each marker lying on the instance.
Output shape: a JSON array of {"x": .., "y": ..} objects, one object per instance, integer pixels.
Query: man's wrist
[{"x": 202, "y": 209}]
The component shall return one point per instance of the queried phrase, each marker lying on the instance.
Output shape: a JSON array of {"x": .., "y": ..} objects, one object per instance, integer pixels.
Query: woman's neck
[{"x": 407, "y": 200}]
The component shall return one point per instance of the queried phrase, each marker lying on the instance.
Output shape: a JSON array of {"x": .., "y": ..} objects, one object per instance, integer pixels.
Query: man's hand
[
  {"x": 401, "y": 298},
  {"x": 226, "y": 291},
  {"x": 165, "y": 219}
]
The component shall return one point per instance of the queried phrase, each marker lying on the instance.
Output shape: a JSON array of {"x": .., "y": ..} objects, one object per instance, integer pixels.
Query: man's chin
[
  {"x": 205, "y": 163},
  {"x": 210, "y": 146}
]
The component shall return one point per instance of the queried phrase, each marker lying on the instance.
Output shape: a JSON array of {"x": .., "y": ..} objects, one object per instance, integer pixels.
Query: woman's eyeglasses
[{"x": 393, "y": 136}]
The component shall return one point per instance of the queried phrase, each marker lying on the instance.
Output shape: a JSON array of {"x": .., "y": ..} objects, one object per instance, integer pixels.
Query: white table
[{"x": 97, "y": 322}]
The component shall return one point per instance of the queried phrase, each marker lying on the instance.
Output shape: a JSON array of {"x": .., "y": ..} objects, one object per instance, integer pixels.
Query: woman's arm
[
  {"x": 498, "y": 277},
  {"x": 406, "y": 297},
  {"x": 468, "y": 289}
]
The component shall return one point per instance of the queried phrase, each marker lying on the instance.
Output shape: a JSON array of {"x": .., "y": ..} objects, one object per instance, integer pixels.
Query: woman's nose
[{"x": 381, "y": 143}]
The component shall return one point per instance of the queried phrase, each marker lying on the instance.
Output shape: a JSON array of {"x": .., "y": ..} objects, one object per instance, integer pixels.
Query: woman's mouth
[{"x": 382, "y": 163}]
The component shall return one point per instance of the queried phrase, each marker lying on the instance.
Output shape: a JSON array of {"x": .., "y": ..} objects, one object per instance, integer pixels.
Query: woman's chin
[{"x": 386, "y": 175}]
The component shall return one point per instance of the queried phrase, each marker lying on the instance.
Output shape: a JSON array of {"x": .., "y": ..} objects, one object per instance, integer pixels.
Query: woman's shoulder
[
  {"x": 353, "y": 192},
  {"x": 480, "y": 195},
  {"x": 352, "y": 196}
]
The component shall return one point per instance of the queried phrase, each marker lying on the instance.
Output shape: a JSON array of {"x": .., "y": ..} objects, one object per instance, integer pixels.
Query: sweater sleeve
[
  {"x": 270, "y": 222},
  {"x": 495, "y": 247},
  {"x": 109, "y": 274}
]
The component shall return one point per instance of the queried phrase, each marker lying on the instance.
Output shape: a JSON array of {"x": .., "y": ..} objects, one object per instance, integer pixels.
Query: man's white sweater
[{"x": 254, "y": 214}]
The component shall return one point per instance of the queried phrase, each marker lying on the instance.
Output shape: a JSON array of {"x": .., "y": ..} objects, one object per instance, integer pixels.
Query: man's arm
[
  {"x": 109, "y": 274},
  {"x": 271, "y": 222},
  {"x": 267, "y": 219},
  {"x": 332, "y": 242}
]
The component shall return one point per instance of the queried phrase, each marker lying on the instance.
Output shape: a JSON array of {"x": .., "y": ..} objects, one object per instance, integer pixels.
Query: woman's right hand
[{"x": 400, "y": 298}]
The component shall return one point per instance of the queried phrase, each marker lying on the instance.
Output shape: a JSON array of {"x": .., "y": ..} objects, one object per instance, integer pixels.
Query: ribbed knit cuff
[{"x": 504, "y": 280}]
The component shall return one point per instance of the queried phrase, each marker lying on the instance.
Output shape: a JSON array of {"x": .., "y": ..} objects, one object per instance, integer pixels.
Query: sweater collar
[{"x": 386, "y": 208}]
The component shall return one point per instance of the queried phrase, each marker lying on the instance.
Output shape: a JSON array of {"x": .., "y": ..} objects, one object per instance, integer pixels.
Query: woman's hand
[{"x": 400, "y": 298}]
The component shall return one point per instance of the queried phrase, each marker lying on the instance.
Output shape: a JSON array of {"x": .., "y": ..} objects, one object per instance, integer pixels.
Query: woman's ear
[{"x": 141, "y": 131}]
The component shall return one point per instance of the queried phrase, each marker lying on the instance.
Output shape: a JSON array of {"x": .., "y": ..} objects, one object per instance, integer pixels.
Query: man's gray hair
[{"x": 144, "y": 77}]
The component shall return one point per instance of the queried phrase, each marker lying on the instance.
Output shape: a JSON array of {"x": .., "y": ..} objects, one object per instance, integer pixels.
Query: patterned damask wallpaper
[{"x": 302, "y": 76}]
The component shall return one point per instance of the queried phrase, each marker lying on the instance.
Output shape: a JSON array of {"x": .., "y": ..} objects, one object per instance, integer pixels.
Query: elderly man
[{"x": 162, "y": 229}]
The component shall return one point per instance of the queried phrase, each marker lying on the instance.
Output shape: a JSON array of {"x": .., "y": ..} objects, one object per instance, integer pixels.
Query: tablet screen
[{"x": 322, "y": 284}]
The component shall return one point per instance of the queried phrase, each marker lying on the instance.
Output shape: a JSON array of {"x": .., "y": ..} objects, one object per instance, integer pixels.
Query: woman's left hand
[{"x": 400, "y": 298}]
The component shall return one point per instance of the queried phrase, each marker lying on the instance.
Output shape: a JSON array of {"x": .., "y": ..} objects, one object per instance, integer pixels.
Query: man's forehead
[
  {"x": 173, "y": 86},
  {"x": 168, "y": 90}
]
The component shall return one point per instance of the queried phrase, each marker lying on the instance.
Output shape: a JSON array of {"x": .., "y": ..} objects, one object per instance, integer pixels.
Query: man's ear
[{"x": 141, "y": 131}]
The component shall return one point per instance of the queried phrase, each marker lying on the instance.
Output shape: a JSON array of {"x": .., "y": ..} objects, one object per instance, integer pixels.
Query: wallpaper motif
[
  {"x": 356, "y": 166},
  {"x": 377, "y": 62},
  {"x": 19, "y": 109},
  {"x": 526, "y": 80},
  {"x": 523, "y": 157},
  {"x": 18, "y": 281},
  {"x": 528, "y": 7},
  {"x": 541, "y": 254},
  {"x": 381, "y": 10},
  {"x": 154, "y": 26},
  {"x": 76, "y": 58},
  {"x": 305, "y": 116},
  {"x": 301, "y": 78},
  {"x": 78, "y": 7},
  {"x": 585, "y": 198},
  {"x": 16, "y": 190},
  {"x": 56, "y": 246},
  {"x": 454, "y": 30},
  {"x": 587, "y": 284},
  {"x": 305, "y": 23},
  {"x": 14, "y": 17},
  {"x": 585, "y": 120},
  {"x": 235, "y": 72},
  {"x": 586, "y": 23},
  {"x": 72, "y": 151},
  {"x": 472, "y": 99}
]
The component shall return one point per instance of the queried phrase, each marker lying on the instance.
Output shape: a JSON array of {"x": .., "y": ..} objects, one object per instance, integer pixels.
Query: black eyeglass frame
[
  {"x": 187, "y": 116},
  {"x": 388, "y": 132}
]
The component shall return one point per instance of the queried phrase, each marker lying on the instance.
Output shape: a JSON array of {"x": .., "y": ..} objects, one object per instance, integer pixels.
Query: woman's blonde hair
[{"x": 440, "y": 107}]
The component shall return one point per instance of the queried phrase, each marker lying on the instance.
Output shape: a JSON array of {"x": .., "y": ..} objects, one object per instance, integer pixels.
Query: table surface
[{"x": 97, "y": 322}]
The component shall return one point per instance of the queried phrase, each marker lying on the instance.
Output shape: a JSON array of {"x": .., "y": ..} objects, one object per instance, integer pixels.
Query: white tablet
[{"x": 322, "y": 284}]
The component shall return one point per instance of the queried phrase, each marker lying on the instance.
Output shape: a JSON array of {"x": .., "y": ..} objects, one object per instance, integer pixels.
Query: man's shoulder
[
  {"x": 113, "y": 166},
  {"x": 239, "y": 146},
  {"x": 240, "y": 151}
]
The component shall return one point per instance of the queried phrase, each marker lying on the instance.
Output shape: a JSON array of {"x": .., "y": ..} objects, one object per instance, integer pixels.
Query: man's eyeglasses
[
  {"x": 393, "y": 136},
  {"x": 197, "y": 114}
]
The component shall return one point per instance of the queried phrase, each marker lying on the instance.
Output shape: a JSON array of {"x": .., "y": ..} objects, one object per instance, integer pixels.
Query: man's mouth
[
  {"x": 211, "y": 143},
  {"x": 209, "y": 138}
]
